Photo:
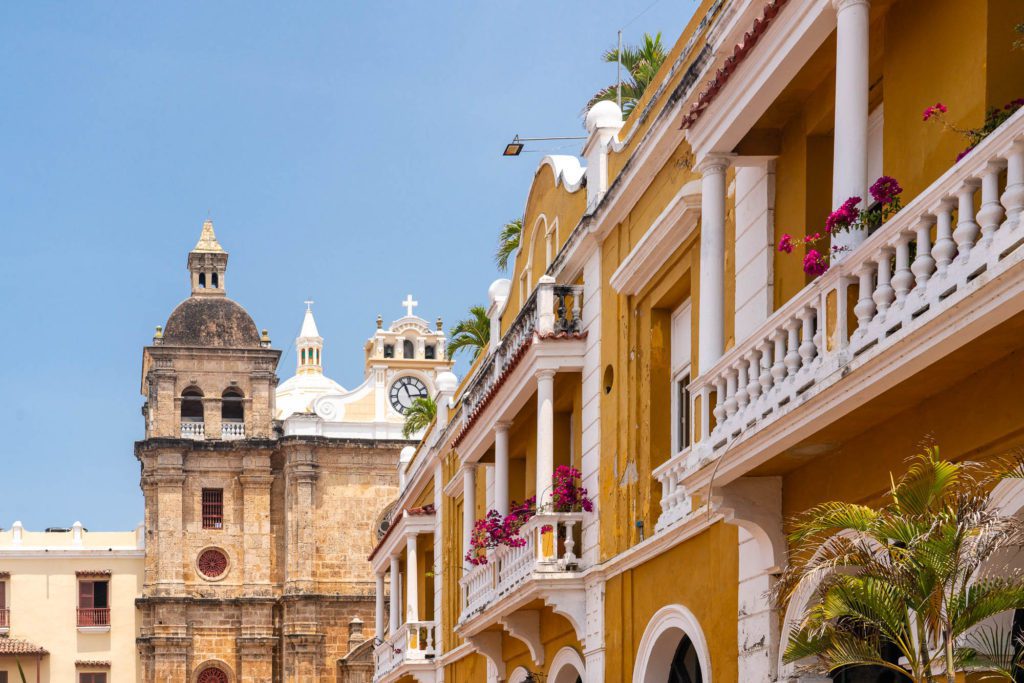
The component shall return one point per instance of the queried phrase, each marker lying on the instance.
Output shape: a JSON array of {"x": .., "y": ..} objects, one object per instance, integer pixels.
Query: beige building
[
  {"x": 67, "y": 604},
  {"x": 263, "y": 502}
]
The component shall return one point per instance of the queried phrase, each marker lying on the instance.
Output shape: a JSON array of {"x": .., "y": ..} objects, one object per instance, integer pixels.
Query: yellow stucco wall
[
  {"x": 701, "y": 574},
  {"x": 42, "y": 595}
]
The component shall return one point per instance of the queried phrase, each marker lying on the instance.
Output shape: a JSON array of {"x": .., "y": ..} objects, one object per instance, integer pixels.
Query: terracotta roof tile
[{"x": 14, "y": 646}]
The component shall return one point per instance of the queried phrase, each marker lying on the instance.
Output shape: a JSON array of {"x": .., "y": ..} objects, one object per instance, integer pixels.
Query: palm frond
[
  {"x": 470, "y": 334},
  {"x": 420, "y": 414},
  {"x": 508, "y": 242}
]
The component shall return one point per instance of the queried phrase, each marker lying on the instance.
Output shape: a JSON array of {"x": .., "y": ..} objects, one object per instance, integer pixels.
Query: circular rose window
[
  {"x": 212, "y": 564},
  {"x": 212, "y": 675}
]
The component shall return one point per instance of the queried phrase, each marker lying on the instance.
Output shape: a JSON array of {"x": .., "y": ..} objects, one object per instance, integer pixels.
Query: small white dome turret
[
  {"x": 604, "y": 114},
  {"x": 406, "y": 455},
  {"x": 499, "y": 289},
  {"x": 446, "y": 381}
]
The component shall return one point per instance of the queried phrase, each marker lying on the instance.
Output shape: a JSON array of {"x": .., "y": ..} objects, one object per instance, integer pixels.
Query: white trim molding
[
  {"x": 566, "y": 665},
  {"x": 660, "y": 640}
]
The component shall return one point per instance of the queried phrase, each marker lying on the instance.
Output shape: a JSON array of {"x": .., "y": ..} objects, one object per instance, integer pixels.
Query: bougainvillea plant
[
  {"x": 486, "y": 535},
  {"x": 885, "y": 193},
  {"x": 994, "y": 118},
  {"x": 566, "y": 494}
]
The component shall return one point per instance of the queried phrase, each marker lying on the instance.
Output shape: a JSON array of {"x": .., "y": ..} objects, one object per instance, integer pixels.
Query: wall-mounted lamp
[{"x": 515, "y": 148}]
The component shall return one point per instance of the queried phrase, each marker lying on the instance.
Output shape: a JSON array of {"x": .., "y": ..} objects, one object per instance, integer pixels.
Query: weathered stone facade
[{"x": 295, "y": 518}]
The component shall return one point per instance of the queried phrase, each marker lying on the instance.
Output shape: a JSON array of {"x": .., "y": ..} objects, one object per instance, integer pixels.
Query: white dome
[
  {"x": 499, "y": 289},
  {"x": 406, "y": 454},
  {"x": 446, "y": 381},
  {"x": 604, "y": 114},
  {"x": 297, "y": 394}
]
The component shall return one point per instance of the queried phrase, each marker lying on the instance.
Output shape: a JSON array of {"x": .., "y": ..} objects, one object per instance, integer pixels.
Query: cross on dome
[
  {"x": 409, "y": 304},
  {"x": 309, "y": 304}
]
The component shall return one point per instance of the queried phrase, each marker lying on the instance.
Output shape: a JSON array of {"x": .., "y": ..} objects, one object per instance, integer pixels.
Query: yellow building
[
  {"x": 654, "y": 337},
  {"x": 67, "y": 604}
]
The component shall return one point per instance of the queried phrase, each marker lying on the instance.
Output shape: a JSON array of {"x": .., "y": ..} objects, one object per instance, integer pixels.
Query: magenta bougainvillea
[
  {"x": 994, "y": 118},
  {"x": 885, "y": 193},
  {"x": 494, "y": 530},
  {"x": 566, "y": 494}
]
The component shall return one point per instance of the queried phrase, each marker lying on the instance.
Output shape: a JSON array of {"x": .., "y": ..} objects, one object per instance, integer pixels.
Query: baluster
[
  {"x": 807, "y": 348},
  {"x": 819, "y": 329},
  {"x": 924, "y": 264},
  {"x": 966, "y": 228},
  {"x": 945, "y": 248},
  {"x": 1013, "y": 195},
  {"x": 884, "y": 294},
  {"x": 903, "y": 279},
  {"x": 570, "y": 545},
  {"x": 730, "y": 388},
  {"x": 753, "y": 383},
  {"x": 430, "y": 641},
  {"x": 577, "y": 324},
  {"x": 792, "y": 358},
  {"x": 779, "y": 367},
  {"x": 720, "y": 398},
  {"x": 765, "y": 379},
  {"x": 865, "y": 308},
  {"x": 742, "y": 397},
  {"x": 991, "y": 213}
]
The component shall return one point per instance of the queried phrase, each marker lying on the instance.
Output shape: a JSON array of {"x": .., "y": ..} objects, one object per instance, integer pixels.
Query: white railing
[
  {"x": 193, "y": 430},
  {"x": 553, "y": 542},
  {"x": 412, "y": 642},
  {"x": 551, "y": 309},
  {"x": 902, "y": 281},
  {"x": 232, "y": 430}
]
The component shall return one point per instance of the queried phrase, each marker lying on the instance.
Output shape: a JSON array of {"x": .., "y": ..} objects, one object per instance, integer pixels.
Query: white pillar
[
  {"x": 711, "y": 340},
  {"x": 396, "y": 592},
  {"x": 501, "y": 467},
  {"x": 850, "y": 135},
  {"x": 468, "y": 507},
  {"x": 545, "y": 435},
  {"x": 378, "y": 624},
  {"x": 412, "y": 578}
]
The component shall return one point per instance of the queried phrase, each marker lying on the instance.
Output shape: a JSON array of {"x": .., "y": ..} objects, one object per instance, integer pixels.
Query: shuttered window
[{"x": 213, "y": 508}]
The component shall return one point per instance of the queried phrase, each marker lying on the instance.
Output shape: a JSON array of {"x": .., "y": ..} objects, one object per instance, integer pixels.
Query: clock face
[{"x": 404, "y": 391}]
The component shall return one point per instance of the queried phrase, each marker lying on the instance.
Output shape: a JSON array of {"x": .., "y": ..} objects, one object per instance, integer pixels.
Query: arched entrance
[
  {"x": 673, "y": 649},
  {"x": 567, "y": 667}
]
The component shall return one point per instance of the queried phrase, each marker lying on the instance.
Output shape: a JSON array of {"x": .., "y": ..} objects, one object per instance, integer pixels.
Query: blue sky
[{"x": 345, "y": 151}]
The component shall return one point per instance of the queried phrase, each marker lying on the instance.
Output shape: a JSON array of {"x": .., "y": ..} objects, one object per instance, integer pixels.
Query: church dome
[{"x": 211, "y": 322}]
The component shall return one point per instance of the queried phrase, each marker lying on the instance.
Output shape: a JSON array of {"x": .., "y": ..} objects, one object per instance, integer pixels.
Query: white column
[
  {"x": 545, "y": 435},
  {"x": 501, "y": 467},
  {"x": 711, "y": 341},
  {"x": 412, "y": 578},
  {"x": 378, "y": 624},
  {"x": 396, "y": 592},
  {"x": 850, "y": 135},
  {"x": 468, "y": 506}
]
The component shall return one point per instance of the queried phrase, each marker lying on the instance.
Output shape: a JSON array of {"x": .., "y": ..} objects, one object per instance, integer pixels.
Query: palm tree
[
  {"x": 641, "y": 64},
  {"x": 508, "y": 242},
  {"x": 908, "y": 577},
  {"x": 472, "y": 333},
  {"x": 420, "y": 414}
]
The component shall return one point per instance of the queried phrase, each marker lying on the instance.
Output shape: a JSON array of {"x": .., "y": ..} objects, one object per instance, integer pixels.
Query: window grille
[{"x": 213, "y": 508}]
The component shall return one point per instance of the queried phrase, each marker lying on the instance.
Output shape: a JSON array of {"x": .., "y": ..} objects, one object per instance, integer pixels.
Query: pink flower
[
  {"x": 964, "y": 153},
  {"x": 810, "y": 239},
  {"x": 843, "y": 217},
  {"x": 937, "y": 108},
  {"x": 1014, "y": 105},
  {"x": 885, "y": 190},
  {"x": 814, "y": 263},
  {"x": 786, "y": 243}
]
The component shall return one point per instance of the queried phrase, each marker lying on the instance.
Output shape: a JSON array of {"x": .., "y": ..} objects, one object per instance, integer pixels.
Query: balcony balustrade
[
  {"x": 551, "y": 310},
  {"x": 553, "y": 545},
  {"x": 193, "y": 430},
  {"x": 230, "y": 431},
  {"x": 413, "y": 642},
  {"x": 900, "y": 279},
  {"x": 93, "y": 616}
]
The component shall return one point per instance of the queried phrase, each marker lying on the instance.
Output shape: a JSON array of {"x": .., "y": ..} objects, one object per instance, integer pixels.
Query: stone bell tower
[{"x": 209, "y": 381}]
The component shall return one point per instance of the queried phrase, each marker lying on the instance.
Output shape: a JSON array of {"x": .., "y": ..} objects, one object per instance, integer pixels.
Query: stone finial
[
  {"x": 380, "y": 321},
  {"x": 355, "y": 632},
  {"x": 208, "y": 240},
  {"x": 440, "y": 324}
]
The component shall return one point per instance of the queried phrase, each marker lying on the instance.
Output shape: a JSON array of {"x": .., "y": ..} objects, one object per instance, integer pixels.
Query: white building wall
[{"x": 755, "y": 225}]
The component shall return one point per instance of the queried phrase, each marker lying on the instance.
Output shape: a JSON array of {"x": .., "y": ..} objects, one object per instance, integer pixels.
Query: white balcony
[
  {"x": 552, "y": 310},
  {"x": 917, "y": 298},
  {"x": 412, "y": 645},
  {"x": 230, "y": 431},
  {"x": 193, "y": 430},
  {"x": 545, "y": 567}
]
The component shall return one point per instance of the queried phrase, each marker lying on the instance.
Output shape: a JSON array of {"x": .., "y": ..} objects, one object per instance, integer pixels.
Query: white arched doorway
[
  {"x": 567, "y": 667},
  {"x": 519, "y": 675},
  {"x": 673, "y": 639}
]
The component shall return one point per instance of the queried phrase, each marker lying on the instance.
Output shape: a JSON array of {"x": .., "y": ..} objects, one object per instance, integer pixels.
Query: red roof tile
[{"x": 14, "y": 646}]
